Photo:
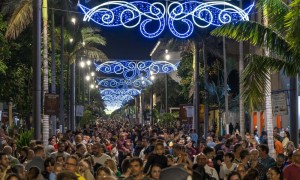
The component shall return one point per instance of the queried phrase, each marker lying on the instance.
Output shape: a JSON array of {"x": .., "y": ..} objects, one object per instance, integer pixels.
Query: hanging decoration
[
  {"x": 120, "y": 92},
  {"x": 136, "y": 69},
  {"x": 124, "y": 83},
  {"x": 180, "y": 17}
]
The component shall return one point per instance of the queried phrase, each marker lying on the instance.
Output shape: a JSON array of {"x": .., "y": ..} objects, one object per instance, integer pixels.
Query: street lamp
[
  {"x": 73, "y": 20},
  {"x": 167, "y": 57}
]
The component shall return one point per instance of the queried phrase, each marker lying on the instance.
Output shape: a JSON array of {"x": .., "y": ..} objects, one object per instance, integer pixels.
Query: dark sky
[{"x": 123, "y": 43}]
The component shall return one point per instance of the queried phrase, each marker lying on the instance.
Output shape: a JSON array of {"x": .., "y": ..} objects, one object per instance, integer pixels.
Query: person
[
  {"x": 275, "y": 134},
  {"x": 286, "y": 139},
  {"x": 280, "y": 161},
  {"x": 12, "y": 160},
  {"x": 111, "y": 164},
  {"x": 292, "y": 171},
  {"x": 157, "y": 157},
  {"x": 245, "y": 157},
  {"x": 227, "y": 166},
  {"x": 71, "y": 165},
  {"x": 154, "y": 172},
  {"x": 102, "y": 172},
  {"x": 38, "y": 159},
  {"x": 85, "y": 169},
  {"x": 233, "y": 175},
  {"x": 13, "y": 176},
  {"x": 274, "y": 173},
  {"x": 99, "y": 151},
  {"x": 266, "y": 160},
  {"x": 4, "y": 165},
  {"x": 34, "y": 173},
  {"x": 122, "y": 150},
  {"x": 125, "y": 167},
  {"x": 201, "y": 159},
  {"x": 60, "y": 151},
  {"x": 19, "y": 169},
  {"x": 58, "y": 167},
  {"x": 136, "y": 166},
  {"x": 236, "y": 151},
  {"x": 252, "y": 174},
  {"x": 254, "y": 163},
  {"x": 278, "y": 145},
  {"x": 241, "y": 169},
  {"x": 210, "y": 142}
]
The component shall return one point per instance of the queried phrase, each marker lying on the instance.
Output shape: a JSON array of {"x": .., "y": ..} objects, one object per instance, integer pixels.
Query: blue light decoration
[
  {"x": 136, "y": 69},
  {"x": 124, "y": 83},
  {"x": 144, "y": 14},
  {"x": 114, "y": 102},
  {"x": 119, "y": 92}
]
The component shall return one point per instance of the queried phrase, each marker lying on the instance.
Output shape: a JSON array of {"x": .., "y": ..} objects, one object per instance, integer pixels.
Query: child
[{"x": 157, "y": 157}]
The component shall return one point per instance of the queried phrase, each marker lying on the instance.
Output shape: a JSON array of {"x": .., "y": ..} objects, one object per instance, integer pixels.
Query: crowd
[{"x": 112, "y": 150}]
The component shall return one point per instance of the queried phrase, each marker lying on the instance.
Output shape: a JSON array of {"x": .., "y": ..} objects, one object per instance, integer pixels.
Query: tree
[{"x": 279, "y": 37}]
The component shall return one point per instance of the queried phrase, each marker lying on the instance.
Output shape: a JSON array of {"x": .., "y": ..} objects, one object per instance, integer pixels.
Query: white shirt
[
  {"x": 101, "y": 160},
  {"x": 224, "y": 170},
  {"x": 211, "y": 172}
]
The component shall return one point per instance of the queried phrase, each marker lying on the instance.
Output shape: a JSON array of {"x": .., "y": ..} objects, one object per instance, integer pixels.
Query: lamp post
[
  {"x": 152, "y": 78},
  {"x": 73, "y": 104}
]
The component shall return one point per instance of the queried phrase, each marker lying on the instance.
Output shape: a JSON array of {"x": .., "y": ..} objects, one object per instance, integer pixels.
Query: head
[
  {"x": 125, "y": 166},
  {"x": 13, "y": 176},
  {"x": 39, "y": 151},
  {"x": 80, "y": 148},
  {"x": 233, "y": 175},
  {"x": 201, "y": 159},
  {"x": 136, "y": 166},
  {"x": 252, "y": 174},
  {"x": 34, "y": 173},
  {"x": 159, "y": 148},
  {"x": 274, "y": 173},
  {"x": 237, "y": 150},
  {"x": 170, "y": 159},
  {"x": 155, "y": 172},
  {"x": 66, "y": 175},
  {"x": 296, "y": 157},
  {"x": 287, "y": 134},
  {"x": 61, "y": 147},
  {"x": 178, "y": 149},
  {"x": 229, "y": 157},
  {"x": 84, "y": 165},
  {"x": 19, "y": 169},
  {"x": 110, "y": 164},
  {"x": 254, "y": 155},
  {"x": 280, "y": 160},
  {"x": 30, "y": 154},
  {"x": 263, "y": 150},
  {"x": 49, "y": 165},
  {"x": 8, "y": 150},
  {"x": 98, "y": 149},
  {"x": 60, "y": 159},
  {"x": 103, "y": 172},
  {"x": 4, "y": 161},
  {"x": 58, "y": 167},
  {"x": 241, "y": 169},
  {"x": 245, "y": 155},
  {"x": 71, "y": 164},
  {"x": 209, "y": 152}
]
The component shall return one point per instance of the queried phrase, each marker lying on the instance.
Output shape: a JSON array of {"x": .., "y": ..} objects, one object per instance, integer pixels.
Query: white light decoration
[
  {"x": 92, "y": 86},
  {"x": 82, "y": 64},
  {"x": 88, "y": 78},
  {"x": 73, "y": 20},
  {"x": 123, "y": 83},
  {"x": 71, "y": 40},
  {"x": 180, "y": 17},
  {"x": 88, "y": 62},
  {"x": 92, "y": 74}
]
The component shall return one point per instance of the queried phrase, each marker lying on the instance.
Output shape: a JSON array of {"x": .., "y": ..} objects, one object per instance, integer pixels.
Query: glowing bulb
[
  {"x": 152, "y": 78},
  {"x": 83, "y": 43},
  {"x": 88, "y": 78},
  {"x": 82, "y": 64},
  {"x": 71, "y": 40},
  {"x": 73, "y": 20},
  {"x": 88, "y": 62},
  {"x": 92, "y": 74},
  {"x": 92, "y": 86},
  {"x": 97, "y": 86},
  {"x": 168, "y": 57}
]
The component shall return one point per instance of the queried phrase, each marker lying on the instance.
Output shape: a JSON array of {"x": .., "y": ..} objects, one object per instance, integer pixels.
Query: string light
[
  {"x": 175, "y": 16},
  {"x": 123, "y": 83},
  {"x": 131, "y": 92}
]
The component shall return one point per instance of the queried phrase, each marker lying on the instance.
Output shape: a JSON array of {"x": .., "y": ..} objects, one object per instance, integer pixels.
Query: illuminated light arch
[
  {"x": 120, "y": 92},
  {"x": 136, "y": 69},
  {"x": 140, "y": 13},
  {"x": 123, "y": 83}
]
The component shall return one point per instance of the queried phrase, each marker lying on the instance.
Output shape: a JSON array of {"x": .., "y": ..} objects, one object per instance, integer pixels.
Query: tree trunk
[
  {"x": 45, "y": 65},
  {"x": 241, "y": 88},
  {"x": 53, "y": 70}
]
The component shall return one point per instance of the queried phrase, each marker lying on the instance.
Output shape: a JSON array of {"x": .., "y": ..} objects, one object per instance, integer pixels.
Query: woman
[
  {"x": 111, "y": 164},
  {"x": 286, "y": 139},
  {"x": 155, "y": 172},
  {"x": 85, "y": 169},
  {"x": 12, "y": 176},
  {"x": 290, "y": 147},
  {"x": 274, "y": 173},
  {"x": 19, "y": 169},
  {"x": 252, "y": 174},
  {"x": 103, "y": 172},
  {"x": 227, "y": 166}
]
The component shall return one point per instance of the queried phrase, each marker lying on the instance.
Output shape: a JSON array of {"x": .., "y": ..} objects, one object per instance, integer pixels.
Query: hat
[{"x": 175, "y": 173}]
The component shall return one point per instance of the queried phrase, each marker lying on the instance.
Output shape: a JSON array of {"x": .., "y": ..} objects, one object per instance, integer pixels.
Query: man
[
  {"x": 201, "y": 159},
  {"x": 266, "y": 160},
  {"x": 8, "y": 150},
  {"x": 60, "y": 151},
  {"x": 71, "y": 165},
  {"x": 38, "y": 159},
  {"x": 136, "y": 166},
  {"x": 99, "y": 150},
  {"x": 4, "y": 165},
  {"x": 241, "y": 169},
  {"x": 292, "y": 171},
  {"x": 236, "y": 151},
  {"x": 210, "y": 142},
  {"x": 245, "y": 157},
  {"x": 262, "y": 171}
]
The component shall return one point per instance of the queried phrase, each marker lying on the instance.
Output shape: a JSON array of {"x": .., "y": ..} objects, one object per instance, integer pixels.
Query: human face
[
  {"x": 296, "y": 157},
  {"x": 82, "y": 150},
  {"x": 101, "y": 174},
  {"x": 61, "y": 148},
  {"x": 170, "y": 161},
  {"x": 136, "y": 168},
  {"x": 4, "y": 161},
  {"x": 234, "y": 177},
  {"x": 227, "y": 159},
  {"x": 279, "y": 161},
  {"x": 71, "y": 165},
  {"x": 241, "y": 170},
  {"x": 95, "y": 149},
  {"x": 155, "y": 172},
  {"x": 83, "y": 166},
  {"x": 254, "y": 155},
  {"x": 272, "y": 175},
  {"x": 159, "y": 150},
  {"x": 201, "y": 160},
  {"x": 22, "y": 173}
]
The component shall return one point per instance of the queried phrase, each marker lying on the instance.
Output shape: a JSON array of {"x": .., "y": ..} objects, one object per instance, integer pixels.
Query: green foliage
[
  {"x": 87, "y": 118},
  {"x": 167, "y": 120},
  {"x": 24, "y": 138}
]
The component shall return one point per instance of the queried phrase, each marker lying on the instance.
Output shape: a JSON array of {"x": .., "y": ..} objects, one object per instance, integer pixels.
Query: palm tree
[{"x": 280, "y": 39}]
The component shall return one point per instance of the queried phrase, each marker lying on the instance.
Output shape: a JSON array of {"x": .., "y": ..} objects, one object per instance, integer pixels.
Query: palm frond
[
  {"x": 21, "y": 17},
  {"x": 257, "y": 72},
  {"x": 293, "y": 25},
  {"x": 276, "y": 11},
  {"x": 256, "y": 34},
  {"x": 92, "y": 36},
  {"x": 94, "y": 53}
]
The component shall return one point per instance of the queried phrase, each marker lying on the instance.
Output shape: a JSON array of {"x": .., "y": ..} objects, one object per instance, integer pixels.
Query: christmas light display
[
  {"x": 153, "y": 17},
  {"x": 123, "y": 83},
  {"x": 120, "y": 92}
]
